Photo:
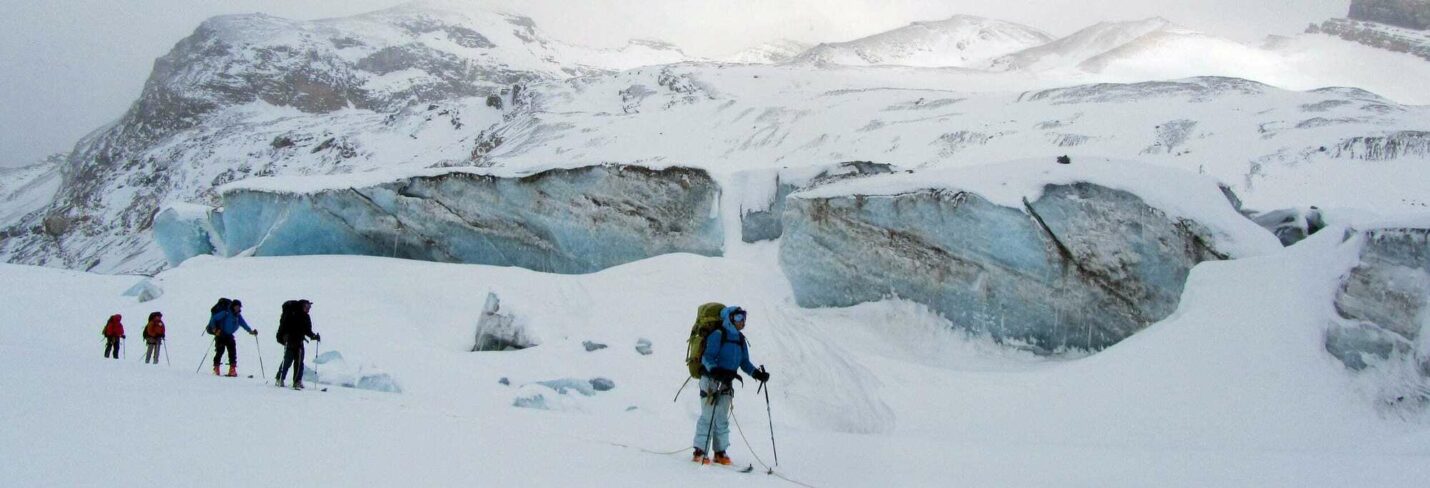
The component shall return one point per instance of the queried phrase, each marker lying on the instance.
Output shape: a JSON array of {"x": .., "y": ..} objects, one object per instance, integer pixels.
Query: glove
[
  {"x": 124, "y": 337},
  {"x": 318, "y": 337},
  {"x": 761, "y": 376},
  {"x": 253, "y": 332}
]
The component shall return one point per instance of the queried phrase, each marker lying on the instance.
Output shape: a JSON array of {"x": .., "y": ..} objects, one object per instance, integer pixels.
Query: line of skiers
[
  {"x": 716, "y": 352},
  {"x": 153, "y": 335},
  {"x": 295, "y": 326}
]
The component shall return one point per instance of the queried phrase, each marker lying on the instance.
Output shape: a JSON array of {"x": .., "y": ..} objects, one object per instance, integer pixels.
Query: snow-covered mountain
[
  {"x": 1081, "y": 45},
  {"x": 416, "y": 87},
  {"x": 255, "y": 94},
  {"x": 776, "y": 51},
  {"x": 959, "y": 41}
]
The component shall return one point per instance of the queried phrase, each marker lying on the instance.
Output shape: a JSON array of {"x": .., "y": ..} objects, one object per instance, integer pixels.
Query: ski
[{"x": 738, "y": 469}]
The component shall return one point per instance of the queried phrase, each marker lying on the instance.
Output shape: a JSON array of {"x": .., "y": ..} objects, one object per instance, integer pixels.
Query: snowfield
[
  {"x": 863, "y": 172},
  {"x": 1235, "y": 388}
]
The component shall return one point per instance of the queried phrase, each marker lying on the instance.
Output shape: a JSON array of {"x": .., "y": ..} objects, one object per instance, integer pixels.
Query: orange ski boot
[
  {"x": 232, "y": 370},
  {"x": 721, "y": 458}
]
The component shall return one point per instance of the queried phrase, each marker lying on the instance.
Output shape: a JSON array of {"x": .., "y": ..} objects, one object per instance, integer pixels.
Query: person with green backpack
[{"x": 715, "y": 351}]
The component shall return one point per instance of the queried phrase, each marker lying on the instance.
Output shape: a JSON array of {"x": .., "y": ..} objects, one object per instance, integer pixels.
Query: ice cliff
[
  {"x": 1030, "y": 253},
  {"x": 561, "y": 220}
]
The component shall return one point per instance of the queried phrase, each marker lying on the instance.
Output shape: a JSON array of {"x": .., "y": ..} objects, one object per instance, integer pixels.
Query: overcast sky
[{"x": 70, "y": 66}]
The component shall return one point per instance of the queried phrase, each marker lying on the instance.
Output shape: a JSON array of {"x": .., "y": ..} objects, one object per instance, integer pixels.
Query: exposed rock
[
  {"x": 1411, "y": 14},
  {"x": 1376, "y": 35}
]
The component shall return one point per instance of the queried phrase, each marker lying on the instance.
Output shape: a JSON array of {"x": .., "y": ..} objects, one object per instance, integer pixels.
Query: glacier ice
[
  {"x": 1081, "y": 267},
  {"x": 1385, "y": 301},
  {"x": 186, "y": 230},
  {"x": 765, "y": 193},
  {"x": 561, "y": 220},
  {"x": 1291, "y": 225},
  {"x": 333, "y": 369},
  {"x": 497, "y": 331}
]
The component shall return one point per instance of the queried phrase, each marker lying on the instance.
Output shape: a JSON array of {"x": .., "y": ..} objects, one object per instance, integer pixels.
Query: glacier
[
  {"x": 1384, "y": 301},
  {"x": 1066, "y": 265},
  {"x": 576, "y": 220}
]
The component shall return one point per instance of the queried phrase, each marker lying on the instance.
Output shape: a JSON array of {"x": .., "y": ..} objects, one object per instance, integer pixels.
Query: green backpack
[{"x": 707, "y": 319}]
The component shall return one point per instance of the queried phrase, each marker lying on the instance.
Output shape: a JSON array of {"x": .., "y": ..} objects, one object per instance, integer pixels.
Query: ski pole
[
  {"x": 316, "y": 379},
  {"x": 710, "y": 433},
  {"x": 166, "y": 353},
  {"x": 206, "y": 355},
  {"x": 772, "y": 420},
  {"x": 124, "y": 345},
  {"x": 261, "y": 369}
]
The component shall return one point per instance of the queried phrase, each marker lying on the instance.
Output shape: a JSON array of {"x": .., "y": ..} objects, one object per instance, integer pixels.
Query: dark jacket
[{"x": 294, "y": 324}]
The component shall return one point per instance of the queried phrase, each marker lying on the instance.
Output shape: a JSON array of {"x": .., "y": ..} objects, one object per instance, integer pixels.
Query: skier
[
  {"x": 223, "y": 325},
  {"x": 113, "y": 333},
  {"x": 725, "y": 351},
  {"x": 294, "y": 327},
  {"x": 154, "y": 336}
]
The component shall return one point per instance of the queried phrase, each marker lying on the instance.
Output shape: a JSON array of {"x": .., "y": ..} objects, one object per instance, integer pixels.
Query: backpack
[
  {"x": 289, "y": 311},
  {"x": 707, "y": 320},
  {"x": 222, "y": 305}
]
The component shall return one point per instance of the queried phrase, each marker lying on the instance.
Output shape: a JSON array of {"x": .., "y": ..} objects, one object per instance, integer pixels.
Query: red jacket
[
  {"x": 155, "y": 330},
  {"x": 113, "y": 328}
]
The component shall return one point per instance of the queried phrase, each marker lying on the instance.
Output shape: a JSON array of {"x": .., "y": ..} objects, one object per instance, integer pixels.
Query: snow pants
[
  {"x": 152, "y": 350},
  {"x": 292, "y": 357},
  {"x": 111, "y": 344},
  {"x": 715, "y": 399},
  {"x": 225, "y": 341}
]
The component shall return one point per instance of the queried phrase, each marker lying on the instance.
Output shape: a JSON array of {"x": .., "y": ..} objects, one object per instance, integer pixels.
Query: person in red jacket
[
  {"x": 154, "y": 336},
  {"x": 113, "y": 333}
]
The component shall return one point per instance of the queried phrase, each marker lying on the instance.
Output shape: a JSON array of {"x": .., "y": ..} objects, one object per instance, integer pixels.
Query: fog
[{"x": 71, "y": 66}]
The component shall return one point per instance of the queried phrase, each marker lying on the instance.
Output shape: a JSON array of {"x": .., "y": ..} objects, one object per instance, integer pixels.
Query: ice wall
[
  {"x": 1082, "y": 266},
  {"x": 186, "y": 230},
  {"x": 562, "y": 220},
  {"x": 1386, "y": 302},
  {"x": 765, "y": 193}
]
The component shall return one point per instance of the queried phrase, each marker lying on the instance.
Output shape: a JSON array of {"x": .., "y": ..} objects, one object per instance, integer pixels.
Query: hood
[{"x": 725, "y": 318}]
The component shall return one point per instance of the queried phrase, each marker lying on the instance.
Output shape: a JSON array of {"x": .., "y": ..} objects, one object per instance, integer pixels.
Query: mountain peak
[{"x": 958, "y": 41}]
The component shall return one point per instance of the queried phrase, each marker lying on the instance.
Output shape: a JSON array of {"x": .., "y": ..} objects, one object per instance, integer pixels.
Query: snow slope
[
  {"x": 959, "y": 41},
  {"x": 1233, "y": 389},
  {"x": 775, "y": 51},
  {"x": 1081, "y": 45}
]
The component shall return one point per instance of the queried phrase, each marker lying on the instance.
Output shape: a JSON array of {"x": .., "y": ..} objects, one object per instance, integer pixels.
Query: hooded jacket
[
  {"x": 113, "y": 328},
  {"x": 154, "y": 330},
  {"x": 725, "y": 348}
]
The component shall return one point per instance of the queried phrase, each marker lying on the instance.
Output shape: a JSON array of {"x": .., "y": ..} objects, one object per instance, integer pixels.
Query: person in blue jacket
[
  {"x": 223, "y": 324},
  {"x": 725, "y": 352}
]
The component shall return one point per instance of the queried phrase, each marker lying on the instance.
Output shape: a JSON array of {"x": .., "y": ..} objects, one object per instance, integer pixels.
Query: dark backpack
[
  {"x": 289, "y": 313},
  {"x": 222, "y": 305},
  {"x": 707, "y": 320}
]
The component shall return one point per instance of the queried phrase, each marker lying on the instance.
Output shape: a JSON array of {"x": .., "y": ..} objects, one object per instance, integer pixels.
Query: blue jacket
[
  {"x": 725, "y": 348},
  {"x": 228, "y": 323}
]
